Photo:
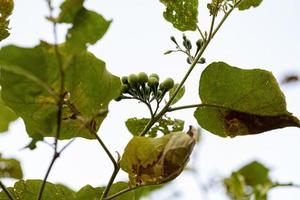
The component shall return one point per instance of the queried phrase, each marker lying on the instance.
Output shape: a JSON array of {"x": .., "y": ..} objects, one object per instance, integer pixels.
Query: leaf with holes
[
  {"x": 30, "y": 83},
  {"x": 241, "y": 102},
  {"x": 183, "y": 14},
  {"x": 247, "y": 4},
  {"x": 6, "y": 8}
]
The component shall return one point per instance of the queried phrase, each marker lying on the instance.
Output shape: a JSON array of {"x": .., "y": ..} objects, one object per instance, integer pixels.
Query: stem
[
  {"x": 212, "y": 34},
  {"x": 195, "y": 106},
  {"x": 202, "y": 35},
  {"x": 105, "y": 149},
  {"x": 5, "y": 190},
  {"x": 111, "y": 181},
  {"x": 60, "y": 103},
  {"x": 121, "y": 192}
]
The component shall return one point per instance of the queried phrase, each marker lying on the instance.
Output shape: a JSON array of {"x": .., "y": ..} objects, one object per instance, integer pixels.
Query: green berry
[
  {"x": 168, "y": 83},
  {"x": 199, "y": 43},
  {"x": 155, "y": 76},
  {"x": 124, "y": 79},
  {"x": 202, "y": 60},
  {"x": 152, "y": 81},
  {"x": 132, "y": 80},
  {"x": 142, "y": 77}
]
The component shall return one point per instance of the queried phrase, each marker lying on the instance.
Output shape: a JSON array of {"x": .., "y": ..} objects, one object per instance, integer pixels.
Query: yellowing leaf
[{"x": 150, "y": 161}]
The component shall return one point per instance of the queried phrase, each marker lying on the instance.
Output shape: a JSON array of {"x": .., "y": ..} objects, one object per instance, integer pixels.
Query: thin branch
[
  {"x": 110, "y": 182},
  {"x": 60, "y": 103},
  {"x": 202, "y": 35},
  {"x": 121, "y": 192},
  {"x": 5, "y": 190},
  {"x": 195, "y": 106}
]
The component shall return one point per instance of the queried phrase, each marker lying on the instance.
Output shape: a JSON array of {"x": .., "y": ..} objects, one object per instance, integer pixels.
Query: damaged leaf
[
  {"x": 241, "y": 102},
  {"x": 151, "y": 161}
]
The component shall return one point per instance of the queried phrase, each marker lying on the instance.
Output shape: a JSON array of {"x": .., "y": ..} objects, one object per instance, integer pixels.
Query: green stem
[
  {"x": 121, "y": 192},
  {"x": 194, "y": 63},
  {"x": 195, "y": 106},
  {"x": 5, "y": 190},
  {"x": 111, "y": 181}
]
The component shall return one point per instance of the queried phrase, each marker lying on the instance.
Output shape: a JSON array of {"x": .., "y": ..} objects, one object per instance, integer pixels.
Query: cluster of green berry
[{"x": 144, "y": 88}]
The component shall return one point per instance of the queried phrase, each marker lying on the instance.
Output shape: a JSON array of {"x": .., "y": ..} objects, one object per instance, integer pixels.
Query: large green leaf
[
  {"x": 151, "y": 161},
  {"x": 30, "y": 81},
  {"x": 10, "y": 168},
  {"x": 6, "y": 8},
  {"x": 183, "y": 14},
  {"x": 241, "y": 102},
  {"x": 29, "y": 189},
  {"x": 246, "y": 4},
  {"x": 6, "y": 116}
]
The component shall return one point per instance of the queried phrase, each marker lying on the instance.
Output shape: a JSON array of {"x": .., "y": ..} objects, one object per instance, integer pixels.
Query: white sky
[{"x": 267, "y": 37}]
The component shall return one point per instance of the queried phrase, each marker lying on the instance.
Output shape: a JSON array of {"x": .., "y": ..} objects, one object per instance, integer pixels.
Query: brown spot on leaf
[{"x": 239, "y": 123}]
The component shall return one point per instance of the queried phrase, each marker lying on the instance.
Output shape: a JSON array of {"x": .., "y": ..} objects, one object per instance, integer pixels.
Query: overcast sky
[{"x": 267, "y": 37}]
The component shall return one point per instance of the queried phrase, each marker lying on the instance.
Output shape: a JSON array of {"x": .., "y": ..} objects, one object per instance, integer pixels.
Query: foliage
[
  {"x": 10, "y": 168},
  {"x": 63, "y": 91},
  {"x": 6, "y": 8},
  {"x": 251, "y": 181}
]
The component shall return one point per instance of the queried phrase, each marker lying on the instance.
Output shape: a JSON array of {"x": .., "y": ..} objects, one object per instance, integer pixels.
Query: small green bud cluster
[
  {"x": 145, "y": 88},
  {"x": 187, "y": 48}
]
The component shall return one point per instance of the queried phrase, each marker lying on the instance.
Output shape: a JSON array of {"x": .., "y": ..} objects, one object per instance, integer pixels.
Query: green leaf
[
  {"x": 146, "y": 191},
  {"x": 246, "y": 4},
  {"x": 165, "y": 125},
  {"x": 90, "y": 193},
  {"x": 179, "y": 94},
  {"x": 235, "y": 186},
  {"x": 88, "y": 28},
  {"x": 252, "y": 180},
  {"x": 241, "y": 102},
  {"x": 29, "y": 189},
  {"x": 135, "y": 126},
  {"x": 255, "y": 173},
  {"x": 69, "y": 10},
  {"x": 183, "y": 14},
  {"x": 10, "y": 168},
  {"x": 6, "y": 116},
  {"x": 150, "y": 161},
  {"x": 30, "y": 83},
  {"x": 6, "y": 8}
]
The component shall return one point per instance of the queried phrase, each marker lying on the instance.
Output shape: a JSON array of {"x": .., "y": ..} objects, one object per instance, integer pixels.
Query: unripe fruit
[
  {"x": 147, "y": 90},
  {"x": 168, "y": 83},
  {"x": 154, "y": 75},
  {"x": 124, "y": 79},
  {"x": 142, "y": 77},
  {"x": 132, "y": 80},
  {"x": 152, "y": 81}
]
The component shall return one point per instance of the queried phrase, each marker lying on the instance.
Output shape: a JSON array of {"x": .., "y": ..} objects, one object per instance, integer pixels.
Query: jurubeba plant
[{"x": 61, "y": 90}]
